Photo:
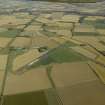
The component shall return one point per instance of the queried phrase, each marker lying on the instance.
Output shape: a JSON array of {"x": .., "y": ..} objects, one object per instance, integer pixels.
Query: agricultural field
[
  {"x": 25, "y": 98},
  {"x": 72, "y": 1},
  {"x": 52, "y": 57}
]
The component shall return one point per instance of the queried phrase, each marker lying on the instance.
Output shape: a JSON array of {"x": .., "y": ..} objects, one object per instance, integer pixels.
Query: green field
[
  {"x": 60, "y": 55},
  {"x": 99, "y": 23},
  {"x": 10, "y": 33}
]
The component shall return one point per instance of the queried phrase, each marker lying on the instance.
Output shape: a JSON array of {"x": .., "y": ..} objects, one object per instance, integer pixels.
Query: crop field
[
  {"x": 97, "y": 23},
  {"x": 10, "y": 33},
  {"x": 3, "y": 61},
  {"x": 43, "y": 41},
  {"x": 82, "y": 93},
  {"x": 26, "y": 99},
  {"x": 62, "y": 74},
  {"x": 72, "y": 1},
  {"x": 61, "y": 55},
  {"x": 38, "y": 77},
  {"x": 21, "y": 42},
  {"x": 4, "y": 41},
  {"x": 26, "y": 58},
  {"x": 52, "y": 53}
]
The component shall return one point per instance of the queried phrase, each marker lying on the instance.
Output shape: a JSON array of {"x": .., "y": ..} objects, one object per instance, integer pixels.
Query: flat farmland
[
  {"x": 3, "y": 61},
  {"x": 26, "y": 58},
  {"x": 41, "y": 41},
  {"x": 10, "y": 33},
  {"x": 71, "y": 18},
  {"x": 99, "y": 70},
  {"x": 5, "y": 20},
  {"x": 84, "y": 30},
  {"x": 32, "y": 80},
  {"x": 64, "y": 74},
  {"x": 61, "y": 55},
  {"x": 84, "y": 52},
  {"x": 51, "y": 57},
  {"x": 4, "y": 41},
  {"x": 28, "y": 98},
  {"x": 21, "y": 42},
  {"x": 88, "y": 93}
]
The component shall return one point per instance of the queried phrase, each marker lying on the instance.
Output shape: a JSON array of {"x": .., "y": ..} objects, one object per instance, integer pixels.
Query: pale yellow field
[
  {"x": 61, "y": 25},
  {"x": 102, "y": 38},
  {"x": 101, "y": 31},
  {"x": 26, "y": 58},
  {"x": 101, "y": 59},
  {"x": 21, "y": 42},
  {"x": 59, "y": 40},
  {"x": 43, "y": 20},
  {"x": 86, "y": 39},
  {"x": 65, "y": 25},
  {"x": 94, "y": 41},
  {"x": 98, "y": 46},
  {"x": 70, "y": 18},
  {"x": 66, "y": 33},
  {"x": 13, "y": 20},
  {"x": 89, "y": 10},
  {"x": 68, "y": 74},
  {"x": 23, "y": 15},
  {"x": 33, "y": 28},
  {"x": 84, "y": 52},
  {"x": 3, "y": 61},
  {"x": 32, "y": 80},
  {"x": 41, "y": 41},
  {"x": 20, "y": 26},
  {"x": 72, "y": 40},
  {"x": 91, "y": 49},
  {"x": 4, "y": 41},
  {"x": 26, "y": 33},
  {"x": 45, "y": 15},
  {"x": 99, "y": 70},
  {"x": 94, "y": 18},
  {"x": 57, "y": 15}
]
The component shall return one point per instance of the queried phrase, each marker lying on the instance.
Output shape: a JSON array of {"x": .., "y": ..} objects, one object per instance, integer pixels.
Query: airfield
[{"x": 52, "y": 58}]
